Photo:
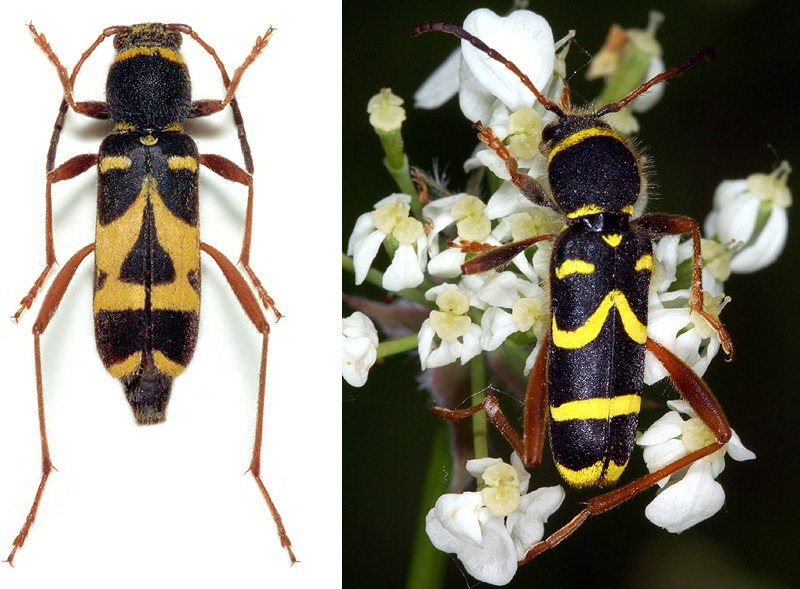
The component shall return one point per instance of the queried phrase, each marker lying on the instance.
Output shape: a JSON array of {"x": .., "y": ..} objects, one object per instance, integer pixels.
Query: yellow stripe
[
  {"x": 628, "y": 209},
  {"x": 115, "y": 162},
  {"x": 644, "y": 263},
  {"x": 576, "y": 138},
  {"x": 597, "y": 408},
  {"x": 591, "y": 474},
  {"x": 613, "y": 239},
  {"x": 166, "y": 365},
  {"x": 178, "y": 162},
  {"x": 574, "y": 267},
  {"x": 127, "y": 366},
  {"x": 587, "y": 332},
  {"x": 585, "y": 211},
  {"x": 164, "y": 52}
]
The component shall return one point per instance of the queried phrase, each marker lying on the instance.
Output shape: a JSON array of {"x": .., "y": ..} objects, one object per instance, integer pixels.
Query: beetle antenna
[
  {"x": 451, "y": 29},
  {"x": 704, "y": 52}
]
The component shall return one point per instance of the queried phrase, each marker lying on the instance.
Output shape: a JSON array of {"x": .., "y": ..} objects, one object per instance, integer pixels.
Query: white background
[{"x": 169, "y": 505}]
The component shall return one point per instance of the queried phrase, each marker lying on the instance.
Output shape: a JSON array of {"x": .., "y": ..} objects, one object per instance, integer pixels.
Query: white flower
[
  {"x": 390, "y": 217},
  {"x": 490, "y": 530},
  {"x": 691, "y": 495},
  {"x": 753, "y": 212},
  {"x": 459, "y": 338},
  {"x": 522, "y": 37},
  {"x": 359, "y": 348}
]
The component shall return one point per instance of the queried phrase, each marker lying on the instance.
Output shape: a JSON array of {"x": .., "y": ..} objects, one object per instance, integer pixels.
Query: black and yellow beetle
[
  {"x": 147, "y": 244},
  {"x": 587, "y": 380}
]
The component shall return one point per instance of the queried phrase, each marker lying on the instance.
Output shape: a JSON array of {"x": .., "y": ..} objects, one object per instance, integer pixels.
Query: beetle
[
  {"x": 147, "y": 245},
  {"x": 587, "y": 380}
]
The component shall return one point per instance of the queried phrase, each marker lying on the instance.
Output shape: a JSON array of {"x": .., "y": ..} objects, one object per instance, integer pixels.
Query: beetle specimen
[
  {"x": 586, "y": 383},
  {"x": 147, "y": 245}
]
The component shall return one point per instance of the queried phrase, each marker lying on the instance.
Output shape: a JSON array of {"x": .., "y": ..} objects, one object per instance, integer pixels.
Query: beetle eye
[{"x": 550, "y": 131}]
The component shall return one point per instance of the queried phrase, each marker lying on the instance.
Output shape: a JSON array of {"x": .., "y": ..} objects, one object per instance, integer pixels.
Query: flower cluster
[{"x": 426, "y": 240}]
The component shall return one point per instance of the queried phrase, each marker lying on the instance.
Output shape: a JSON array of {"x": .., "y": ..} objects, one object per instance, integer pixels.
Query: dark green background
[{"x": 725, "y": 119}]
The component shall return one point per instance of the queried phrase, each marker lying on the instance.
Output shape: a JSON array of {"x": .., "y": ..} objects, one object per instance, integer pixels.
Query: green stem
[
  {"x": 480, "y": 439},
  {"x": 402, "y": 176},
  {"x": 428, "y": 565},
  {"x": 397, "y": 346}
]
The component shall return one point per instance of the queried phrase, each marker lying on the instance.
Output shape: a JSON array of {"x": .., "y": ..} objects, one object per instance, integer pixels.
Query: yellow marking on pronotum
[
  {"x": 182, "y": 162},
  {"x": 597, "y": 408},
  {"x": 576, "y": 138},
  {"x": 164, "y": 52},
  {"x": 115, "y": 162},
  {"x": 644, "y": 263},
  {"x": 586, "y": 333},
  {"x": 148, "y": 140},
  {"x": 127, "y": 366},
  {"x": 585, "y": 211},
  {"x": 166, "y": 365},
  {"x": 591, "y": 474},
  {"x": 628, "y": 210},
  {"x": 574, "y": 267},
  {"x": 612, "y": 239}
]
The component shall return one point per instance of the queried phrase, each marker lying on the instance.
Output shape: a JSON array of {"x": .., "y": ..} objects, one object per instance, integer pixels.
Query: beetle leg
[
  {"x": 69, "y": 169},
  {"x": 702, "y": 400},
  {"x": 529, "y": 447},
  {"x": 51, "y": 302},
  {"x": 660, "y": 223},
  {"x": 230, "y": 171},
  {"x": 251, "y": 307}
]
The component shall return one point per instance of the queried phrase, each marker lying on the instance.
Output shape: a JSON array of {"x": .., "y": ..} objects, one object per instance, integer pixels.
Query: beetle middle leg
[
  {"x": 69, "y": 169},
  {"x": 529, "y": 447},
  {"x": 230, "y": 171},
  {"x": 253, "y": 311}
]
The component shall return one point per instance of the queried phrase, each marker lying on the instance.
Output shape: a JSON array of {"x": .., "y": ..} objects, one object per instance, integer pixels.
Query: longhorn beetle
[
  {"x": 147, "y": 245},
  {"x": 588, "y": 377}
]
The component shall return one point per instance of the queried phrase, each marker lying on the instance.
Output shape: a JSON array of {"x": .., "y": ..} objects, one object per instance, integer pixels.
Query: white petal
[
  {"x": 425, "y": 342},
  {"x": 358, "y": 356},
  {"x": 472, "y": 344},
  {"x": 495, "y": 561},
  {"x": 500, "y": 290},
  {"x": 364, "y": 253},
  {"x": 737, "y": 218},
  {"x": 691, "y": 500},
  {"x": 522, "y": 473},
  {"x": 447, "y": 264},
  {"x": 404, "y": 271},
  {"x": 526, "y": 524},
  {"x": 524, "y": 38},
  {"x": 668, "y": 426},
  {"x": 458, "y": 514},
  {"x": 476, "y": 466},
  {"x": 496, "y": 326},
  {"x": 441, "y": 85},
  {"x": 736, "y": 449},
  {"x": 660, "y": 455},
  {"x": 447, "y": 353},
  {"x": 768, "y": 245},
  {"x": 473, "y": 98},
  {"x": 649, "y": 99},
  {"x": 359, "y": 325}
]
